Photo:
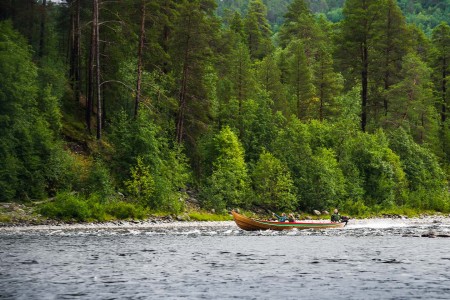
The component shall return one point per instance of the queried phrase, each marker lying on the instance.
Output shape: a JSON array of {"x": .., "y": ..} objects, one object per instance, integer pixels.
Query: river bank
[
  {"x": 16, "y": 216},
  {"x": 164, "y": 224}
]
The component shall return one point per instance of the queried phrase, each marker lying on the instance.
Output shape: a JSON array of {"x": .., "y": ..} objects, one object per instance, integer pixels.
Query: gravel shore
[{"x": 170, "y": 223}]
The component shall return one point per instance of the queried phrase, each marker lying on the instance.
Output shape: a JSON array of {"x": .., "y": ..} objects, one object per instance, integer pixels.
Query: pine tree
[
  {"x": 327, "y": 82},
  {"x": 419, "y": 42},
  {"x": 300, "y": 80},
  {"x": 75, "y": 51},
  {"x": 441, "y": 63},
  {"x": 30, "y": 154},
  {"x": 257, "y": 29},
  {"x": 140, "y": 55},
  {"x": 359, "y": 35},
  {"x": 298, "y": 24},
  {"x": 328, "y": 85},
  {"x": 242, "y": 79},
  {"x": 237, "y": 25},
  {"x": 193, "y": 32},
  {"x": 413, "y": 102},
  {"x": 268, "y": 75},
  {"x": 391, "y": 46},
  {"x": 441, "y": 67}
]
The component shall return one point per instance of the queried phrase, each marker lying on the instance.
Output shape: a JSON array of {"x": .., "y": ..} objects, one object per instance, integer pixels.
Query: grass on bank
[
  {"x": 5, "y": 218},
  {"x": 207, "y": 216},
  {"x": 70, "y": 207},
  {"x": 73, "y": 207}
]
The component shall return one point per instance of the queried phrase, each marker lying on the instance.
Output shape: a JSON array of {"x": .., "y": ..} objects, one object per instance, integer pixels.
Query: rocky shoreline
[{"x": 22, "y": 217}]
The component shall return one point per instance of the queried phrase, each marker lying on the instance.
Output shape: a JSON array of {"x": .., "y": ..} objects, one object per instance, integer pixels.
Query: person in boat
[
  {"x": 281, "y": 218},
  {"x": 291, "y": 217},
  {"x": 336, "y": 217}
]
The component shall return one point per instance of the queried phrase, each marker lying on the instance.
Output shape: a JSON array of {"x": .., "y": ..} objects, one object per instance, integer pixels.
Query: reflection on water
[{"x": 389, "y": 260}]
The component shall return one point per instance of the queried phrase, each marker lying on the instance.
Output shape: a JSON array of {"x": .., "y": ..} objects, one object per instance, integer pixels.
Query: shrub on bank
[
  {"x": 125, "y": 210},
  {"x": 204, "y": 216},
  {"x": 67, "y": 206}
]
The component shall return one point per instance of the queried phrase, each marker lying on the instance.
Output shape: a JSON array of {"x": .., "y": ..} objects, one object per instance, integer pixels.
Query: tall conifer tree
[
  {"x": 391, "y": 46},
  {"x": 359, "y": 35},
  {"x": 191, "y": 49},
  {"x": 441, "y": 64},
  {"x": 300, "y": 79},
  {"x": 258, "y": 29},
  {"x": 298, "y": 23}
]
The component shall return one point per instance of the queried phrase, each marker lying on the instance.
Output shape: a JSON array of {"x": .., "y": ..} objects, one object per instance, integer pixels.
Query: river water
[{"x": 381, "y": 259}]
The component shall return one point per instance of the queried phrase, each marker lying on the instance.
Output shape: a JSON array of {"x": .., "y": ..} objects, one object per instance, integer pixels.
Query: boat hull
[{"x": 248, "y": 224}]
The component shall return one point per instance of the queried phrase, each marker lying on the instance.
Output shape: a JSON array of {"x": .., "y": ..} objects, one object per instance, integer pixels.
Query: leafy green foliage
[
  {"x": 323, "y": 184},
  {"x": 273, "y": 184},
  {"x": 268, "y": 103},
  {"x": 29, "y": 155},
  {"x": 372, "y": 170},
  {"x": 423, "y": 13},
  {"x": 425, "y": 177},
  {"x": 141, "y": 186},
  {"x": 157, "y": 171},
  {"x": 99, "y": 181},
  {"x": 316, "y": 173},
  {"x": 228, "y": 185},
  {"x": 412, "y": 101},
  {"x": 69, "y": 206}
]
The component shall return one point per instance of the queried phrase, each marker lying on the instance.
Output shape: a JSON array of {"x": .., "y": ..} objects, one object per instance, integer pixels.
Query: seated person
[
  {"x": 291, "y": 217},
  {"x": 281, "y": 218},
  {"x": 335, "y": 217}
]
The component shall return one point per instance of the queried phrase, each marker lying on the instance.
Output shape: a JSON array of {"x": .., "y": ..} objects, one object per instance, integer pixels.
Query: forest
[
  {"x": 119, "y": 109},
  {"x": 426, "y": 14}
]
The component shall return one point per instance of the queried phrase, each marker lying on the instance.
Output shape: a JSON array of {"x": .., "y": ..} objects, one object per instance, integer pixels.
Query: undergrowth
[
  {"x": 205, "y": 216},
  {"x": 67, "y": 206}
]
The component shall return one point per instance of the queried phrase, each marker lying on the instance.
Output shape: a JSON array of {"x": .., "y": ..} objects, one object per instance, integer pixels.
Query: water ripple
[{"x": 366, "y": 260}]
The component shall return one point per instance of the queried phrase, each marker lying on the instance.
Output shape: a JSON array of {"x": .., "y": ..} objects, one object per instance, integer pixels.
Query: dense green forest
[
  {"x": 426, "y": 14},
  {"x": 116, "y": 109}
]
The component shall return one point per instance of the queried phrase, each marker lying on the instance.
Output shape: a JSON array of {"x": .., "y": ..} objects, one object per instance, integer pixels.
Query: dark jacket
[{"x": 335, "y": 217}]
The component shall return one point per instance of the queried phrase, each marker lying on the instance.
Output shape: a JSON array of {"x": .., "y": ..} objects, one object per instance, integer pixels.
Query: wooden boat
[{"x": 249, "y": 224}]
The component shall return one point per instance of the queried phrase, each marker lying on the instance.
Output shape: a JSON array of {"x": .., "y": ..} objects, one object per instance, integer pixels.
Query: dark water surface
[{"x": 360, "y": 262}]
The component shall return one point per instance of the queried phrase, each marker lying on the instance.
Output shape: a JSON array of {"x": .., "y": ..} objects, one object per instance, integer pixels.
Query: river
[{"x": 369, "y": 259}]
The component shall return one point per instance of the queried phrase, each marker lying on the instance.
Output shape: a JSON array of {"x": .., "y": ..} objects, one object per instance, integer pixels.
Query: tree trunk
[
  {"x": 322, "y": 94},
  {"x": 71, "y": 54},
  {"x": 180, "y": 122},
  {"x": 240, "y": 99},
  {"x": 298, "y": 83},
  {"x": 140, "y": 53},
  {"x": 42, "y": 33},
  {"x": 97, "y": 68},
  {"x": 387, "y": 73},
  {"x": 183, "y": 89},
  {"x": 90, "y": 89},
  {"x": 77, "y": 52},
  {"x": 444, "y": 92},
  {"x": 364, "y": 82}
]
